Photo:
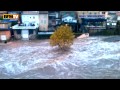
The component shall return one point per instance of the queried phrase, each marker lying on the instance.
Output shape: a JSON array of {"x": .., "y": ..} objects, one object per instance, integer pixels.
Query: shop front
[
  {"x": 24, "y": 32},
  {"x": 93, "y": 23},
  {"x": 5, "y": 31}
]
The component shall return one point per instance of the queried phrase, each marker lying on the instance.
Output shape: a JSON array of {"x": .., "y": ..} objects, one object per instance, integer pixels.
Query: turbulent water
[{"x": 91, "y": 58}]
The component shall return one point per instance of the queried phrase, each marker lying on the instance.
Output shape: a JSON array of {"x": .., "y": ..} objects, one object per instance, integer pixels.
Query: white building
[
  {"x": 30, "y": 17},
  {"x": 43, "y": 21},
  {"x": 69, "y": 19},
  {"x": 30, "y": 23}
]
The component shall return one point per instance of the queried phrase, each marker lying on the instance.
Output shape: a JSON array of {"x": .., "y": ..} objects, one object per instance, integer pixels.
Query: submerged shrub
[{"x": 62, "y": 37}]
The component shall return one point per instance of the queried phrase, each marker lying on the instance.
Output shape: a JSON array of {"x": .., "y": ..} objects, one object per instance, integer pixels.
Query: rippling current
[{"x": 90, "y": 58}]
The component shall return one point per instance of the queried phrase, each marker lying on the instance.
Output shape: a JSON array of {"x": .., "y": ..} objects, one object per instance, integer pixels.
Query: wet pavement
[{"x": 91, "y": 58}]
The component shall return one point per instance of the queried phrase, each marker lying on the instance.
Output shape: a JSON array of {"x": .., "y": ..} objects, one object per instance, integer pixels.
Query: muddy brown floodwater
[{"x": 92, "y": 58}]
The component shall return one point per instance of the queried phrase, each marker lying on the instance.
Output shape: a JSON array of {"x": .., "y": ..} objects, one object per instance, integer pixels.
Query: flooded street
[{"x": 91, "y": 58}]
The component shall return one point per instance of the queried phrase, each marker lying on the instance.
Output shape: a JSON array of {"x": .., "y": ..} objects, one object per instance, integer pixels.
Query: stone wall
[
  {"x": 7, "y": 33},
  {"x": 32, "y": 36},
  {"x": 17, "y": 36}
]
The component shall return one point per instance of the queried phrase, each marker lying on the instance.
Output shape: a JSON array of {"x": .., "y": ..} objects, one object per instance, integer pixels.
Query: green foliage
[
  {"x": 109, "y": 32},
  {"x": 62, "y": 37},
  {"x": 14, "y": 23},
  {"x": 1, "y": 18},
  {"x": 117, "y": 31}
]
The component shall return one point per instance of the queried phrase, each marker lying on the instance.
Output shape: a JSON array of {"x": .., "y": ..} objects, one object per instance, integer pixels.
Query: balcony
[
  {"x": 5, "y": 25},
  {"x": 111, "y": 12},
  {"x": 96, "y": 27},
  {"x": 23, "y": 27}
]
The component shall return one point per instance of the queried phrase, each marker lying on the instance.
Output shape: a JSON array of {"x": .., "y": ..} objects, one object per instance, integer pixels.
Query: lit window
[{"x": 108, "y": 24}]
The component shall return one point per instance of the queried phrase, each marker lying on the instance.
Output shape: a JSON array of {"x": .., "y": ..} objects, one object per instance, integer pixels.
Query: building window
[
  {"x": 43, "y": 28},
  {"x": 103, "y": 12},
  {"x": 44, "y": 21},
  {"x": 90, "y": 13},
  {"x": 30, "y": 17},
  {"x": 18, "y": 31},
  {"x": 41, "y": 21},
  {"x": 95, "y": 13},
  {"x": 33, "y": 17},
  {"x": 83, "y": 13},
  {"x": 3, "y": 25},
  {"x": 65, "y": 20},
  {"x": 30, "y": 31},
  {"x": 45, "y": 16},
  {"x": 70, "y": 20}
]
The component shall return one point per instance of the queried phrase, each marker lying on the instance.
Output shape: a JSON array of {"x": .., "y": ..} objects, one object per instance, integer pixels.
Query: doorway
[{"x": 25, "y": 34}]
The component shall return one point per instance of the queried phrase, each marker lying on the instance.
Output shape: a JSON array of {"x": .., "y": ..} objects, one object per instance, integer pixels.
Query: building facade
[
  {"x": 53, "y": 20},
  {"x": 2, "y": 12},
  {"x": 92, "y": 21},
  {"x": 112, "y": 19},
  {"x": 118, "y": 15},
  {"x": 5, "y": 31},
  {"x": 43, "y": 21},
  {"x": 24, "y": 32},
  {"x": 30, "y": 17},
  {"x": 27, "y": 29},
  {"x": 70, "y": 18}
]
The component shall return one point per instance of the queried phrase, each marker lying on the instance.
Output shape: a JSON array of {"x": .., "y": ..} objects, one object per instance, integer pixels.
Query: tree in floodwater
[{"x": 62, "y": 37}]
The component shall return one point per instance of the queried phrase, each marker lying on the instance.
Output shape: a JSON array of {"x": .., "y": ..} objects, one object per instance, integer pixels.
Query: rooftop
[
  {"x": 4, "y": 22},
  {"x": 30, "y": 12},
  {"x": 43, "y": 12},
  {"x": 34, "y": 12},
  {"x": 111, "y": 11}
]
